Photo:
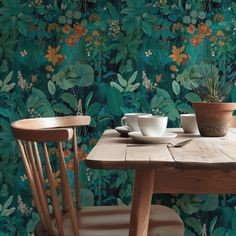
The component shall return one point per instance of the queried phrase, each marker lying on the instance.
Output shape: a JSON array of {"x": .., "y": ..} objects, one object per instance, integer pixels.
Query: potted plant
[{"x": 213, "y": 114}]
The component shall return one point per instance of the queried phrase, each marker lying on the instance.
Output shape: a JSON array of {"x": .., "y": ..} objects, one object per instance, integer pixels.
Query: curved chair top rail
[{"x": 51, "y": 129}]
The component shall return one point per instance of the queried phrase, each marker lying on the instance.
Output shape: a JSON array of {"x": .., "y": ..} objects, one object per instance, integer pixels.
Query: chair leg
[{"x": 141, "y": 205}]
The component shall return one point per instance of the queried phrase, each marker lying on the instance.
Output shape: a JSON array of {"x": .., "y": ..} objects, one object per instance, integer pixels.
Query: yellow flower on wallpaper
[
  {"x": 178, "y": 56},
  {"x": 52, "y": 55}
]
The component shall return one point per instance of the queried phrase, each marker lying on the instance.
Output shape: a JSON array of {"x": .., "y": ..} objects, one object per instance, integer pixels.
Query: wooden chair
[{"x": 69, "y": 218}]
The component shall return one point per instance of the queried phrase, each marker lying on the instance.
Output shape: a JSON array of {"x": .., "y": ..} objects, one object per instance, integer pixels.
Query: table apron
[{"x": 171, "y": 180}]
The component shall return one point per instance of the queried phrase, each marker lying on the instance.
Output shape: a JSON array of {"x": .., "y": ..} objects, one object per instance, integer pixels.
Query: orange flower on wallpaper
[
  {"x": 66, "y": 29},
  {"x": 52, "y": 27},
  {"x": 66, "y": 153},
  {"x": 49, "y": 68},
  {"x": 204, "y": 30},
  {"x": 88, "y": 38},
  {"x": 82, "y": 155},
  {"x": 79, "y": 29},
  {"x": 52, "y": 55},
  {"x": 158, "y": 27},
  {"x": 70, "y": 42},
  {"x": 95, "y": 33},
  {"x": 220, "y": 33},
  {"x": 34, "y": 78},
  {"x": 218, "y": 17},
  {"x": 173, "y": 68},
  {"x": 94, "y": 18},
  {"x": 158, "y": 78},
  {"x": 191, "y": 29},
  {"x": 70, "y": 165},
  {"x": 213, "y": 38},
  {"x": 196, "y": 40},
  {"x": 97, "y": 42},
  {"x": 177, "y": 27},
  {"x": 177, "y": 54},
  {"x": 221, "y": 42}
]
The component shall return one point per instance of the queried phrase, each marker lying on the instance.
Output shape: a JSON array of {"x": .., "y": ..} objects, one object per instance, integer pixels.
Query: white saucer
[
  {"x": 165, "y": 138},
  {"x": 123, "y": 130}
]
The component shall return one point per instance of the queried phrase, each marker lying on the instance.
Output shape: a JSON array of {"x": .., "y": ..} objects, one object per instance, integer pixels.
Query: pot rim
[
  {"x": 215, "y": 103},
  {"x": 230, "y": 106}
]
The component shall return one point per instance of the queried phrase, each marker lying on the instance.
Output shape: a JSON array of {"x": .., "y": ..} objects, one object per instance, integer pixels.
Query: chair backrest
[{"x": 30, "y": 133}]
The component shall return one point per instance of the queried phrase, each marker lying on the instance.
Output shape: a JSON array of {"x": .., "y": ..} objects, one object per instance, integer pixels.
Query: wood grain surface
[
  {"x": 114, "y": 221},
  {"x": 115, "y": 152}
]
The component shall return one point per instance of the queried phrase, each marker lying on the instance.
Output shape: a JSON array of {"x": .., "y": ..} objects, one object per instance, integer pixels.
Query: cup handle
[{"x": 122, "y": 121}]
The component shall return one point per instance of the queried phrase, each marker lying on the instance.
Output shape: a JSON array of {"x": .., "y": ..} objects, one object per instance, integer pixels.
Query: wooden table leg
[{"x": 141, "y": 204}]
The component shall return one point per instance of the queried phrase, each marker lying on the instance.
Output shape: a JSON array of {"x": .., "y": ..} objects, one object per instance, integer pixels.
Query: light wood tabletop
[{"x": 205, "y": 165}]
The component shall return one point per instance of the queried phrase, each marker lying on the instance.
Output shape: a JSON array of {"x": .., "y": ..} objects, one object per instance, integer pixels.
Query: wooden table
[{"x": 205, "y": 165}]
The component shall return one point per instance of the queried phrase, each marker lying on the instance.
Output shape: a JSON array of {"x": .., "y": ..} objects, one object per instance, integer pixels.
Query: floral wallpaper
[{"x": 105, "y": 58}]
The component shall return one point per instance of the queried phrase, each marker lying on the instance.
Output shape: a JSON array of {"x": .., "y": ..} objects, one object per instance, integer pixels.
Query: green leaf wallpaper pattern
[{"x": 104, "y": 58}]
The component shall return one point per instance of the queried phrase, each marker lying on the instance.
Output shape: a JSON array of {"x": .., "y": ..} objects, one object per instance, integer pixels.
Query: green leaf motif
[
  {"x": 70, "y": 100},
  {"x": 85, "y": 75},
  {"x": 219, "y": 231},
  {"x": 210, "y": 202},
  {"x": 23, "y": 28},
  {"x": 233, "y": 221},
  {"x": 51, "y": 87},
  {"x": 132, "y": 78},
  {"x": 88, "y": 99},
  {"x": 132, "y": 87},
  {"x": 115, "y": 101},
  {"x": 61, "y": 109},
  {"x": 176, "y": 87},
  {"x": 94, "y": 109},
  {"x": 112, "y": 10},
  {"x": 193, "y": 97},
  {"x": 117, "y": 86},
  {"x": 122, "y": 81},
  {"x": 147, "y": 28},
  {"x": 194, "y": 224}
]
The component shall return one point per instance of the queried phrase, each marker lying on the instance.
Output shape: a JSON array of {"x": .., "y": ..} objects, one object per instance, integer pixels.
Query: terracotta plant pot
[{"x": 213, "y": 119}]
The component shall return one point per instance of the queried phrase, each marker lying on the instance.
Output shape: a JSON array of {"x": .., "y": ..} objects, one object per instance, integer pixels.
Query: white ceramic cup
[
  {"x": 153, "y": 126},
  {"x": 131, "y": 120},
  {"x": 189, "y": 123}
]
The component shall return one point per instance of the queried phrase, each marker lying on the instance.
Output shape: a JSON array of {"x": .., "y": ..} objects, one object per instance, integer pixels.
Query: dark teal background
[{"x": 103, "y": 59}]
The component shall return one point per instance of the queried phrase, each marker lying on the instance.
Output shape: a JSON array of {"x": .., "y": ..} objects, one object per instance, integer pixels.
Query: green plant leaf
[
  {"x": 8, "y": 202},
  {"x": 132, "y": 87},
  {"x": 51, "y": 87},
  {"x": 176, "y": 87},
  {"x": 88, "y": 99},
  {"x": 112, "y": 10},
  {"x": 132, "y": 78},
  {"x": 117, "y": 86},
  {"x": 85, "y": 74},
  {"x": 210, "y": 202},
  {"x": 70, "y": 99},
  {"x": 219, "y": 231},
  {"x": 62, "y": 109},
  {"x": 122, "y": 81},
  {"x": 150, "y": 18},
  {"x": 23, "y": 28},
  {"x": 212, "y": 224},
  {"x": 193, "y": 97},
  {"x": 4, "y": 112},
  {"x": 8, "y": 78},
  {"x": 147, "y": 28},
  {"x": 194, "y": 224},
  {"x": 94, "y": 109},
  {"x": 233, "y": 221},
  {"x": 115, "y": 101}
]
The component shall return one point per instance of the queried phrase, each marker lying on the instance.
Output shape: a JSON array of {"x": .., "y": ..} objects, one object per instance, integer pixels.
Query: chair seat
[{"x": 114, "y": 221}]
